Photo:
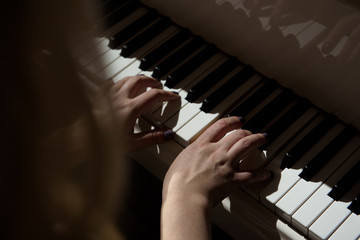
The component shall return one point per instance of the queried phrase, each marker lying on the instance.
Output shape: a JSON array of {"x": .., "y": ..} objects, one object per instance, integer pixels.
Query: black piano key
[
  {"x": 355, "y": 205},
  {"x": 122, "y": 12},
  {"x": 325, "y": 155},
  {"x": 212, "y": 79},
  {"x": 270, "y": 111},
  {"x": 255, "y": 99},
  {"x": 227, "y": 88},
  {"x": 145, "y": 37},
  {"x": 164, "y": 49},
  {"x": 183, "y": 71},
  {"x": 177, "y": 57},
  {"x": 132, "y": 29},
  {"x": 345, "y": 183},
  {"x": 308, "y": 141},
  {"x": 286, "y": 120},
  {"x": 109, "y": 6}
]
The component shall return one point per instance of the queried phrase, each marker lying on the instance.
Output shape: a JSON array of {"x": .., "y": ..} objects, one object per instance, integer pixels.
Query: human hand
[
  {"x": 208, "y": 170},
  {"x": 131, "y": 97}
]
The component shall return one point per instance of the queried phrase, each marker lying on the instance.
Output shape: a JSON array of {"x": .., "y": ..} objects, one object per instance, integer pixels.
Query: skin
[
  {"x": 202, "y": 175},
  {"x": 128, "y": 99}
]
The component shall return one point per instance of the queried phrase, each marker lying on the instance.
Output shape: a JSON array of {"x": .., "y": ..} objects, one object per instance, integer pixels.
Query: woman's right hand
[
  {"x": 209, "y": 167},
  {"x": 205, "y": 173}
]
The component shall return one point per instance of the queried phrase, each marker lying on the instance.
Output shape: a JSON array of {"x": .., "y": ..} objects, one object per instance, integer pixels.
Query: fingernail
[
  {"x": 242, "y": 120},
  {"x": 140, "y": 74},
  {"x": 168, "y": 135},
  {"x": 266, "y": 135}
]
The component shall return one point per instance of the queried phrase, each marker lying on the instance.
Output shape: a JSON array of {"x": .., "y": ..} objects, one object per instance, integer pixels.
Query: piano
[{"x": 290, "y": 68}]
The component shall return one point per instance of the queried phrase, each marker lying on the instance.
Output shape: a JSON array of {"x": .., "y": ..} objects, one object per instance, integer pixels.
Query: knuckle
[
  {"x": 222, "y": 123},
  {"x": 126, "y": 79},
  {"x": 245, "y": 142},
  {"x": 155, "y": 93},
  {"x": 156, "y": 137},
  {"x": 247, "y": 132},
  {"x": 135, "y": 78}
]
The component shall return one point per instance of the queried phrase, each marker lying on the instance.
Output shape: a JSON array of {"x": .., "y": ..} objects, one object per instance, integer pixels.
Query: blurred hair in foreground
[{"x": 62, "y": 174}]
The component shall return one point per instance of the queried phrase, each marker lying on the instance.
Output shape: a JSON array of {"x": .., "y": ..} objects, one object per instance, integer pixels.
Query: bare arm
[{"x": 202, "y": 175}]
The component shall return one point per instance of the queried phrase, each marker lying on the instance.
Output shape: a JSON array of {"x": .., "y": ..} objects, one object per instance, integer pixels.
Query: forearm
[{"x": 185, "y": 217}]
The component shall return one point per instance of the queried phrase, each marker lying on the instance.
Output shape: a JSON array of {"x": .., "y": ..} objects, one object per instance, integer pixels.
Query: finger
[
  {"x": 218, "y": 130},
  {"x": 150, "y": 98},
  {"x": 253, "y": 176},
  {"x": 136, "y": 85},
  {"x": 152, "y": 137},
  {"x": 118, "y": 84},
  {"x": 242, "y": 147},
  {"x": 230, "y": 139}
]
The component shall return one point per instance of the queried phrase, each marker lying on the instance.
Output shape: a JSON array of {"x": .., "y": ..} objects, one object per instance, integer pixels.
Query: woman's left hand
[{"x": 129, "y": 98}]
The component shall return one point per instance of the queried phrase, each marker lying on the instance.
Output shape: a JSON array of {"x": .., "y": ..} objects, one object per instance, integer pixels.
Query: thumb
[{"x": 149, "y": 138}]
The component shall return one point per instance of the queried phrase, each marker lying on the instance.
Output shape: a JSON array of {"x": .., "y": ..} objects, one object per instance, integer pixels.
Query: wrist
[
  {"x": 185, "y": 216},
  {"x": 180, "y": 197}
]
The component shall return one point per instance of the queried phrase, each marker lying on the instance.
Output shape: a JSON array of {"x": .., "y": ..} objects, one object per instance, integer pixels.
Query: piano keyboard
[{"x": 315, "y": 157}]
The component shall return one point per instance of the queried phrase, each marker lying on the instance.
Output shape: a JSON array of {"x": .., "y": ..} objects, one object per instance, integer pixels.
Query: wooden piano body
[{"x": 287, "y": 49}]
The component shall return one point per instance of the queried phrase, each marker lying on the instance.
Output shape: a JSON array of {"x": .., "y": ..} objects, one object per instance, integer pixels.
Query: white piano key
[
  {"x": 293, "y": 199},
  {"x": 182, "y": 117},
  {"x": 162, "y": 112},
  {"x": 118, "y": 65},
  {"x": 183, "y": 88},
  {"x": 277, "y": 145},
  {"x": 319, "y": 201},
  {"x": 193, "y": 108},
  {"x": 97, "y": 51},
  {"x": 334, "y": 216},
  {"x": 104, "y": 60},
  {"x": 288, "y": 177},
  {"x": 201, "y": 121},
  {"x": 190, "y": 110},
  {"x": 312, "y": 209},
  {"x": 350, "y": 229},
  {"x": 115, "y": 69},
  {"x": 89, "y": 52},
  {"x": 131, "y": 70}
]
